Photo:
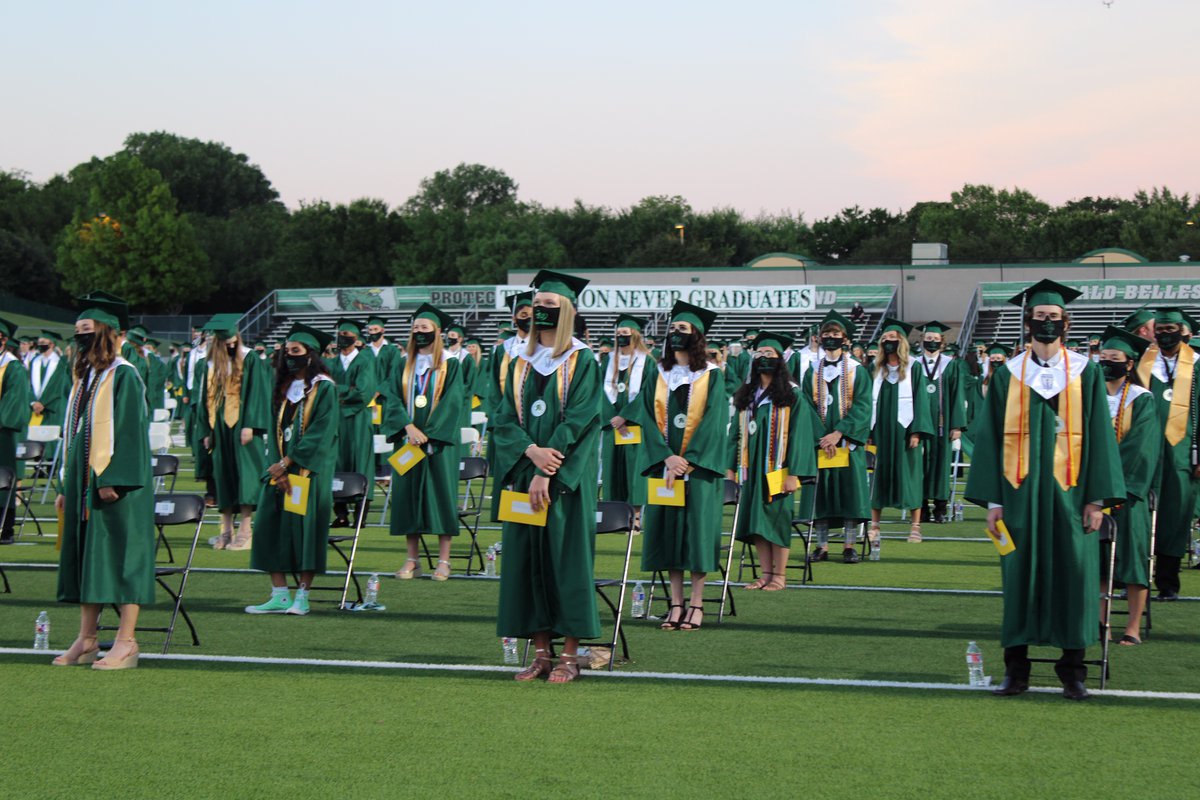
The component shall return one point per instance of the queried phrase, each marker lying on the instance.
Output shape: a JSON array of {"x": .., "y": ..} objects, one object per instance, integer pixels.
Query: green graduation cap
[
  {"x": 873, "y": 343},
  {"x": 350, "y": 326},
  {"x": 1128, "y": 343},
  {"x": 978, "y": 343},
  {"x": 779, "y": 341},
  {"x": 506, "y": 332},
  {"x": 902, "y": 328},
  {"x": 749, "y": 333},
  {"x": 515, "y": 301},
  {"x": 1095, "y": 338},
  {"x": 951, "y": 350},
  {"x": 560, "y": 283},
  {"x": 605, "y": 342},
  {"x": 997, "y": 349},
  {"x": 137, "y": 334},
  {"x": 472, "y": 340},
  {"x": 376, "y": 320},
  {"x": 1189, "y": 321},
  {"x": 834, "y": 318},
  {"x": 9, "y": 329},
  {"x": 1137, "y": 319},
  {"x": 309, "y": 336},
  {"x": 1045, "y": 293},
  {"x": 435, "y": 315},
  {"x": 1169, "y": 315},
  {"x": 1073, "y": 344},
  {"x": 700, "y": 318},
  {"x": 105, "y": 308},
  {"x": 933, "y": 326},
  {"x": 223, "y": 326},
  {"x": 630, "y": 321},
  {"x": 456, "y": 328},
  {"x": 53, "y": 336}
]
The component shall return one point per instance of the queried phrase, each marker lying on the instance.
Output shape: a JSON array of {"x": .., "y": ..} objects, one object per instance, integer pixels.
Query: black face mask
[
  {"x": 624, "y": 341},
  {"x": 1047, "y": 330},
  {"x": 1114, "y": 370},
  {"x": 678, "y": 340},
  {"x": 345, "y": 341},
  {"x": 889, "y": 347},
  {"x": 43, "y": 348},
  {"x": 375, "y": 337},
  {"x": 295, "y": 363},
  {"x": 1168, "y": 340},
  {"x": 545, "y": 317},
  {"x": 452, "y": 341},
  {"x": 766, "y": 365},
  {"x": 831, "y": 343},
  {"x": 930, "y": 347},
  {"x": 231, "y": 349},
  {"x": 423, "y": 338},
  {"x": 83, "y": 342},
  {"x": 523, "y": 324}
]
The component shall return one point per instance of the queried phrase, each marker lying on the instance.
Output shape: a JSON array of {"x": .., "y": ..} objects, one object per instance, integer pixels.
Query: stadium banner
[
  {"x": 382, "y": 298},
  {"x": 1105, "y": 292},
  {"x": 601, "y": 298}
]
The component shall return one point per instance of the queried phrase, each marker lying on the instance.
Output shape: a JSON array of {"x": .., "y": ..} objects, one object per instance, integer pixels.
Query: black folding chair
[
  {"x": 8, "y": 483},
  {"x": 348, "y": 487},
  {"x": 29, "y": 451},
  {"x": 749, "y": 559},
  {"x": 174, "y": 509},
  {"x": 1152, "y": 503},
  {"x": 470, "y": 470},
  {"x": 164, "y": 467}
]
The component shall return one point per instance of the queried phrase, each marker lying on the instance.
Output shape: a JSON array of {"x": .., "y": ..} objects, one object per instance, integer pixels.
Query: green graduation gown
[
  {"x": 1140, "y": 447},
  {"x": 1177, "y": 488},
  {"x": 356, "y": 444},
  {"x": 760, "y": 514},
  {"x": 285, "y": 541},
  {"x": 546, "y": 580},
  {"x": 841, "y": 493},
  {"x": 156, "y": 386},
  {"x": 201, "y": 457},
  {"x": 14, "y": 411},
  {"x": 425, "y": 499},
  {"x": 737, "y": 367},
  {"x": 945, "y": 395},
  {"x": 53, "y": 390},
  {"x": 133, "y": 354},
  {"x": 108, "y": 548},
  {"x": 897, "y": 479},
  {"x": 1051, "y": 581},
  {"x": 236, "y": 468},
  {"x": 687, "y": 538},
  {"x": 499, "y": 366},
  {"x": 621, "y": 389}
]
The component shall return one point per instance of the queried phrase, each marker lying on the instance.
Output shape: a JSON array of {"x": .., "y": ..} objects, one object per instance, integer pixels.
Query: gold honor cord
[
  {"x": 406, "y": 383},
  {"x": 1181, "y": 396},
  {"x": 697, "y": 400},
  {"x": 306, "y": 413},
  {"x": 233, "y": 398},
  {"x": 1068, "y": 445},
  {"x": 521, "y": 372},
  {"x": 1146, "y": 365}
]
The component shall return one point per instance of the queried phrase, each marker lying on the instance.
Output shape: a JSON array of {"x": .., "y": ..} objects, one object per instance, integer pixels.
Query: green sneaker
[
  {"x": 299, "y": 606},
  {"x": 278, "y": 604}
]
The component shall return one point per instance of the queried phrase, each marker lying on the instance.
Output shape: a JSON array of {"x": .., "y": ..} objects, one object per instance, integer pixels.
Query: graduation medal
[
  {"x": 421, "y": 401},
  {"x": 1169, "y": 394},
  {"x": 752, "y": 427},
  {"x": 287, "y": 434},
  {"x": 931, "y": 388},
  {"x": 538, "y": 408},
  {"x": 620, "y": 387},
  {"x": 681, "y": 421}
]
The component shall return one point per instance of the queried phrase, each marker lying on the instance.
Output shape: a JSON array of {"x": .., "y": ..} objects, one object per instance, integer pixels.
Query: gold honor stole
[
  {"x": 3, "y": 370},
  {"x": 305, "y": 418},
  {"x": 233, "y": 397},
  {"x": 1068, "y": 445},
  {"x": 406, "y": 382},
  {"x": 1145, "y": 366},
  {"x": 697, "y": 400},
  {"x": 1181, "y": 396},
  {"x": 1123, "y": 420},
  {"x": 102, "y": 426},
  {"x": 564, "y": 382}
]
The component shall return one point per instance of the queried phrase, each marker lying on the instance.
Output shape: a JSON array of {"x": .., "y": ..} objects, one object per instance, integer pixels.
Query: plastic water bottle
[
  {"x": 41, "y": 632},
  {"x": 638, "y": 609},
  {"x": 489, "y": 564},
  {"x": 1196, "y": 551},
  {"x": 510, "y": 649},
  {"x": 958, "y": 512},
  {"x": 876, "y": 547},
  {"x": 975, "y": 665},
  {"x": 372, "y": 598}
]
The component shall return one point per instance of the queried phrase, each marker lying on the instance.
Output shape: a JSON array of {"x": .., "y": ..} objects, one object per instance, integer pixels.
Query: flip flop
[{"x": 1129, "y": 641}]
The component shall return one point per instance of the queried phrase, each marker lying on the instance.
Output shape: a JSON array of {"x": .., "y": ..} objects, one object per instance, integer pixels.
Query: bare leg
[
  {"x": 1137, "y": 605},
  {"x": 567, "y": 669},
  {"x": 762, "y": 549},
  {"x": 675, "y": 612},
  {"x": 126, "y": 633},
  {"x": 279, "y": 580},
  {"x": 89, "y": 616},
  {"x": 695, "y": 612},
  {"x": 779, "y": 559},
  {"x": 873, "y": 530}
]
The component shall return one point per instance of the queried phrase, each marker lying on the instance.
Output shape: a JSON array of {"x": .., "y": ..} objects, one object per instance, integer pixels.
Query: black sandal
[
  {"x": 1129, "y": 641},
  {"x": 667, "y": 624},
  {"x": 692, "y": 626}
]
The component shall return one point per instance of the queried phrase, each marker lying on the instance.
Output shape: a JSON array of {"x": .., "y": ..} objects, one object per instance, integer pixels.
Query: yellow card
[
  {"x": 406, "y": 458},
  {"x": 58, "y": 542},
  {"x": 475, "y": 401},
  {"x": 634, "y": 437},
  {"x": 35, "y": 420},
  {"x": 841, "y": 458},
  {"x": 660, "y": 495},
  {"x": 872, "y": 449},
  {"x": 1004, "y": 543},
  {"x": 376, "y": 413},
  {"x": 515, "y": 507},
  {"x": 775, "y": 481},
  {"x": 296, "y": 501}
]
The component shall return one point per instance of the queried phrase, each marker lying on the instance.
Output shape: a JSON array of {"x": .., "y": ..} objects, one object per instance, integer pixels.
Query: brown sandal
[
  {"x": 760, "y": 583},
  {"x": 567, "y": 670},
  {"x": 539, "y": 668},
  {"x": 914, "y": 534},
  {"x": 777, "y": 583}
]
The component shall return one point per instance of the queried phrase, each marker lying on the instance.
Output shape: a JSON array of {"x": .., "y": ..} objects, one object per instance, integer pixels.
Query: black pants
[
  {"x": 1069, "y": 667},
  {"x": 1166, "y": 573},
  {"x": 10, "y": 519}
]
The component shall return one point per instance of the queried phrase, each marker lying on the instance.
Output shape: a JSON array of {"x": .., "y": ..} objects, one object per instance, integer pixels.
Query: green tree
[
  {"x": 465, "y": 188},
  {"x": 130, "y": 239},
  {"x": 504, "y": 237},
  {"x": 981, "y": 224}
]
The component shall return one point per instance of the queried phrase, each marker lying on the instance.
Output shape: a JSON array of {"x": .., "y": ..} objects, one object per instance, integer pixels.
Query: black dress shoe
[
  {"x": 6, "y": 538},
  {"x": 1075, "y": 690},
  {"x": 850, "y": 556},
  {"x": 1166, "y": 597},
  {"x": 1010, "y": 687},
  {"x": 818, "y": 555},
  {"x": 340, "y": 522}
]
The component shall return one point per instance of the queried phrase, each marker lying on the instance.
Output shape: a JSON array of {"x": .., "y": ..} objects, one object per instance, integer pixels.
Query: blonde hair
[
  {"x": 563, "y": 334},
  {"x": 225, "y": 368},
  {"x": 635, "y": 341},
  {"x": 901, "y": 353}
]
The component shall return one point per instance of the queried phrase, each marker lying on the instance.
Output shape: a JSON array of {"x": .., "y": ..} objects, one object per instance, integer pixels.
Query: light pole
[{"x": 680, "y": 229}]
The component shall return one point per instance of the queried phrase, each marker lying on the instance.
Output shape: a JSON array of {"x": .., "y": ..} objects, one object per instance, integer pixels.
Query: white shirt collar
[{"x": 347, "y": 360}]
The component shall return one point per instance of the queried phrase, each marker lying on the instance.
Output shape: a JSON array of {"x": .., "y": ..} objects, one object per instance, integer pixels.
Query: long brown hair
[
  {"x": 101, "y": 354},
  {"x": 224, "y": 367},
  {"x": 283, "y": 378},
  {"x": 697, "y": 352}
]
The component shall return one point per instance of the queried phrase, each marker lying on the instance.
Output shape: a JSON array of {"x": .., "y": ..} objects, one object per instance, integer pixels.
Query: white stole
[{"x": 904, "y": 405}]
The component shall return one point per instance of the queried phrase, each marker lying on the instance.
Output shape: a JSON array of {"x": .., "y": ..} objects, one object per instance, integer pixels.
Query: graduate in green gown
[
  {"x": 302, "y": 443},
  {"x": 1175, "y": 382},
  {"x": 456, "y": 337},
  {"x": 388, "y": 358},
  {"x": 50, "y": 380},
  {"x": 133, "y": 351},
  {"x": 1136, "y": 426},
  {"x": 900, "y": 422},
  {"x": 234, "y": 413},
  {"x": 737, "y": 363},
  {"x": 424, "y": 408},
  {"x": 157, "y": 376},
  {"x": 872, "y": 353},
  {"x": 547, "y": 435},
  {"x": 945, "y": 395},
  {"x": 499, "y": 365},
  {"x": 107, "y": 491},
  {"x": 194, "y": 397},
  {"x": 1046, "y": 464},
  {"x": 629, "y": 368},
  {"x": 684, "y": 414},
  {"x": 839, "y": 389},
  {"x": 357, "y": 384},
  {"x": 14, "y": 417},
  {"x": 773, "y": 434}
]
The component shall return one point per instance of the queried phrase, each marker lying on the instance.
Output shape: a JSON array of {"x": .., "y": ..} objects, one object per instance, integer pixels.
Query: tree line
[{"x": 170, "y": 222}]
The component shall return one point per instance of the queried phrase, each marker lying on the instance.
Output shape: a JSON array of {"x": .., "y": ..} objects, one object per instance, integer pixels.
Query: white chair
[
  {"x": 160, "y": 437},
  {"x": 469, "y": 436},
  {"x": 478, "y": 418},
  {"x": 161, "y": 415},
  {"x": 170, "y": 403},
  {"x": 382, "y": 448},
  {"x": 46, "y": 434}
]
